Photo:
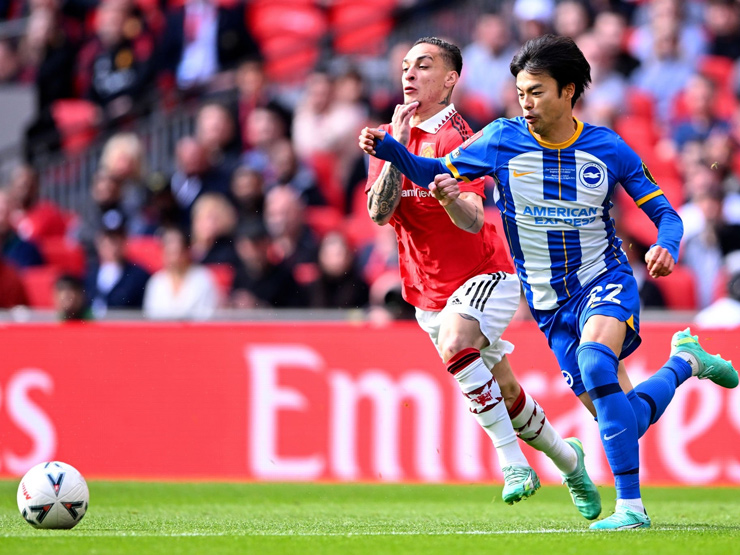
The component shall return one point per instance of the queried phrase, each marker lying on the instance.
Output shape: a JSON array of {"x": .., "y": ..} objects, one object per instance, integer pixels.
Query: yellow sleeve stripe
[
  {"x": 643, "y": 200},
  {"x": 453, "y": 169}
]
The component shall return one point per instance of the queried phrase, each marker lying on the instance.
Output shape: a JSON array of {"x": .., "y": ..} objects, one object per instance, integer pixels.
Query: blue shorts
[{"x": 613, "y": 293}]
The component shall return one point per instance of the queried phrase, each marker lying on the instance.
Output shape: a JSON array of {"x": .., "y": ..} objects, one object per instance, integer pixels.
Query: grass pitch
[{"x": 172, "y": 518}]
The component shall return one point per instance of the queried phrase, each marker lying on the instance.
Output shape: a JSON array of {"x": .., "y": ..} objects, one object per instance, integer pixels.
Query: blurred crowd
[{"x": 263, "y": 205}]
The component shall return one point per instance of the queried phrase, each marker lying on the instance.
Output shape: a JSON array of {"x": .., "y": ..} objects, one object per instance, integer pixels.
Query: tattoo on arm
[
  {"x": 384, "y": 194},
  {"x": 475, "y": 221}
]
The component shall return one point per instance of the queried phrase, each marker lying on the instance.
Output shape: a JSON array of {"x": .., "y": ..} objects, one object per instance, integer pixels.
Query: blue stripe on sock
[
  {"x": 604, "y": 390},
  {"x": 653, "y": 409}
]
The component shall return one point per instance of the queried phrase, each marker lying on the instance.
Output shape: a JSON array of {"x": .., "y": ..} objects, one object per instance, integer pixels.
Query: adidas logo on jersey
[{"x": 456, "y": 301}]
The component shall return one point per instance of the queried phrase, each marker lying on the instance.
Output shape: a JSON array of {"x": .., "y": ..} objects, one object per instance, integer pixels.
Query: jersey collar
[
  {"x": 435, "y": 123},
  {"x": 566, "y": 144}
]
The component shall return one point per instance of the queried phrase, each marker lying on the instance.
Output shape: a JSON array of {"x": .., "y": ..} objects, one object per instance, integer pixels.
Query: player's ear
[
  {"x": 569, "y": 90},
  {"x": 451, "y": 78}
]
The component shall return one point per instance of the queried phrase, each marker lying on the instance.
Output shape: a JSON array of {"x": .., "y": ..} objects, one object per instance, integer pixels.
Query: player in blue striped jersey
[{"x": 555, "y": 178}]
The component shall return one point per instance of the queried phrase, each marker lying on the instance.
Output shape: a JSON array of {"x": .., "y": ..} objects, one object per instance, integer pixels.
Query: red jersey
[{"x": 435, "y": 256}]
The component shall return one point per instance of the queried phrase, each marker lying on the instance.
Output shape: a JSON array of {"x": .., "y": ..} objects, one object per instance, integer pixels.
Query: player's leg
[
  {"x": 460, "y": 341},
  {"x": 602, "y": 338},
  {"x": 534, "y": 428},
  {"x": 650, "y": 398}
]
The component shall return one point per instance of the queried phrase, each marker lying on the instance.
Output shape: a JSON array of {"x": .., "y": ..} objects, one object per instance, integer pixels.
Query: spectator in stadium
[
  {"x": 124, "y": 160},
  {"x": 248, "y": 192},
  {"x": 264, "y": 128},
  {"x": 464, "y": 296},
  {"x": 181, "y": 290},
  {"x": 722, "y": 22},
  {"x": 215, "y": 130},
  {"x": 34, "y": 218},
  {"x": 49, "y": 55},
  {"x": 14, "y": 249},
  {"x": 611, "y": 29},
  {"x": 380, "y": 256},
  {"x": 106, "y": 201},
  {"x": 665, "y": 72},
  {"x": 70, "y": 301},
  {"x": 486, "y": 68},
  {"x": 533, "y": 18},
  {"x": 260, "y": 281},
  {"x": 709, "y": 234},
  {"x": 293, "y": 241},
  {"x": 725, "y": 311},
  {"x": 193, "y": 177},
  {"x": 203, "y": 38},
  {"x": 323, "y": 112},
  {"x": 572, "y": 19},
  {"x": 113, "y": 282},
  {"x": 212, "y": 230},
  {"x": 700, "y": 119},
  {"x": 656, "y": 16},
  {"x": 287, "y": 169},
  {"x": 12, "y": 291},
  {"x": 587, "y": 330},
  {"x": 116, "y": 67},
  {"x": 339, "y": 283},
  {"x": 255, "y": 90},
  {"x": 608, "y": 90}
]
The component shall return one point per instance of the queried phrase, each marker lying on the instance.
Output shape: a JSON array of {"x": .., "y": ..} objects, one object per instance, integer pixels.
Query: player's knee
[
  {"x": 451, "y": 345},
  {"x": 597, "y": 363}
]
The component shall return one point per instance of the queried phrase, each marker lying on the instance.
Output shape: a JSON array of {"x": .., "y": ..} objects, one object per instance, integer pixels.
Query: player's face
[
  {"x": 543, "y": 106},
  {"x": 426, "y": 78}
]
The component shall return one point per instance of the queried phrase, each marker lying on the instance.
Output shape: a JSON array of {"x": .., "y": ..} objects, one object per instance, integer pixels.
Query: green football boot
[
  {"x": 586, "y": 497},
  {"x": 520, "y": 482},
  {"x": 623, "y": 519},
  {"x": 712, "y": 367}
]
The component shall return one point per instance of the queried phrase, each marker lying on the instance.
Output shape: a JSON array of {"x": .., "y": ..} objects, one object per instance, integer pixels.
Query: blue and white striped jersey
[{"x": 555, "y": 200}]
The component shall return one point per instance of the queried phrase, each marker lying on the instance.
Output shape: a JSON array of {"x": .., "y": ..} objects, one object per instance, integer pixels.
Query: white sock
[
  {"x": 534, "y": 428},
  {"x": 487, "y": 405},
  {"x": 632, "y": 504},
  {"x": 691, "y": 359}
]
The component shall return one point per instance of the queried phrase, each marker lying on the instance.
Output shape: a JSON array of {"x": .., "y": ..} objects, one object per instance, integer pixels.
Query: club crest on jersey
[
  {"x": 649, "y": 175},
  {"x": 427, "y": 150},
  {"x": 592, "y": 175},
  {"x": 472, "y": 139}
]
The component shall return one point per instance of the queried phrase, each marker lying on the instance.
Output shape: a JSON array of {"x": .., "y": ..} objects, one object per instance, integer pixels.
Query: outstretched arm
[
  {"x": 385, "y": 194},
  {"x": 380, "y": 144},
  {"x": 663, "y": 255}
]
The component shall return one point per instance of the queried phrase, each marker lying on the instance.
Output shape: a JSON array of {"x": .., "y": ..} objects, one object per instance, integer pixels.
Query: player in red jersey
[{"x": 457, "y": 273}]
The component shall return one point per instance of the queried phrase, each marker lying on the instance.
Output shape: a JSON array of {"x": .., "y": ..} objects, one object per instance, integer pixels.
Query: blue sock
[
  {"x": 650, "y": 399},
  {"x": 617, "y": 422}
]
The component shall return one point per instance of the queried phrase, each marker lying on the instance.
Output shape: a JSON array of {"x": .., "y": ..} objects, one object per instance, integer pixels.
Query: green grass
[{"x": 150, "y": 518}]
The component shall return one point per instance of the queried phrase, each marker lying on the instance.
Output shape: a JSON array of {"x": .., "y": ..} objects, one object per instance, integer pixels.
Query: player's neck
[
  {"x": 428, "y": 113},
  {"x": 560, "y": 132}
]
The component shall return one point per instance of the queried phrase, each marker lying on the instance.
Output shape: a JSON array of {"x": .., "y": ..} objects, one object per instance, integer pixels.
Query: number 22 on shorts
[{"x": 611, "y": 291}]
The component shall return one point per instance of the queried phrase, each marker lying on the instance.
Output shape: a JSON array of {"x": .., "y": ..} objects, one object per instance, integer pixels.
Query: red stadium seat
[
  {"x": 362, "y": 27},
  {"x": 325, "y": 166},
  {"x": 39, "y": 284},
  {"x": 146, "y": 251},
  {"x": 679, "y": 289},
  {"x": 719, "y": 69},
  {"x": 223, "y": 275},
  {"x": 65, "y": 255},
  {"x": 323, "y": 219},
  {"x": 288, "y": 32},
  {"x": 76, "y": 121},
  {"x": 640, "y": 104}
]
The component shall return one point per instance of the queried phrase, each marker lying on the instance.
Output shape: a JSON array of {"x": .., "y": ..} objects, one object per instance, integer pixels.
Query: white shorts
[{"x": 492, "y": 299}]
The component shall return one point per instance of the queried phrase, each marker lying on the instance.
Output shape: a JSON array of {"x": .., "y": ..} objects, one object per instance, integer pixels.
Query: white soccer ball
[{"x": 53, "y": 495}]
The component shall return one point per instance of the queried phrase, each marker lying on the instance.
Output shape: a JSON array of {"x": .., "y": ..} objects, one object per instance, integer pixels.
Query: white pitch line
[{"x": 122, "y": 534}]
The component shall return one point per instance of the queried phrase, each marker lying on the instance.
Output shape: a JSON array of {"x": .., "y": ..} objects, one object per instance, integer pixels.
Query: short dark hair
[
  {"x": 557, "y": 56},
  {"x": 450, "y": 52}
]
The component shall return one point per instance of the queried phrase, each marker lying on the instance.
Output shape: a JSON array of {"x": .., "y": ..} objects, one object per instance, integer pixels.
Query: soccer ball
[{"x": 53, "y": 495}]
